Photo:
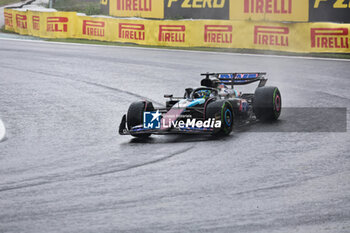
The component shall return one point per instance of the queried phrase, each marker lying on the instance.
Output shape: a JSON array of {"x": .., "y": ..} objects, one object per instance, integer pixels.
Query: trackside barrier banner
[
  {"x": 42, "y": 24},
  {"x": 270, "y": 10},
  {"x": 104, "y": 4},
  {"x": 289, "y": 37},
  {"x": 137, "y": 8},
  {"x": 256, "y": 10},
  {"x": 330, "y": 11},
  {"x": 8, "y": 16},
  {"x": 92, "y": 28},
  {"x": 197, "y": 9},
  {"x": 250, "y": 10}
]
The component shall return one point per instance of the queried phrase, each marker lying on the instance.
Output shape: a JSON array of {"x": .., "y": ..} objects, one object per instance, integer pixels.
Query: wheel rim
[
  {"x": 278, "y": 103},
  {"x": 228, "y": 117}
]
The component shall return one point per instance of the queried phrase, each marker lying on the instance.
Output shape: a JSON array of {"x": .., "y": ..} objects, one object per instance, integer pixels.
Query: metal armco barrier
[{"x": 289, "y": 37}]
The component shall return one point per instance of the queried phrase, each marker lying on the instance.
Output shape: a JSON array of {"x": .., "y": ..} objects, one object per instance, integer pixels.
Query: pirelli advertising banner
[
  {"x": 94, "y": 28},
  {"x": 330, "y": 11},
  {"x": 173, "y": 9},
  {"x": 137, "y": 8},
  {"x": 290, "y": 37},
  {"x": 42, "y": 24},
  {"x": 250, "y": 10},
  {"x": 270, "y": 10}
]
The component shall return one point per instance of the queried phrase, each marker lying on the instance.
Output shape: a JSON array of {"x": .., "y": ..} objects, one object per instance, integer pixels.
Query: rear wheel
[
  {"x": 267, "y": 104},
  {"x": 134, "y": 117},
  {"x": 221, "y": 110}
]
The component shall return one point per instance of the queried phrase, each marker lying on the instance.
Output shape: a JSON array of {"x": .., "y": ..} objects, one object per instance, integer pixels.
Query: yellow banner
[
  {"x": 9, "y": 22},
  {"x": 95, "y": 28},
  {"x": 290, "y": 37},
  {"x": 42, "y": 24},
  {"x": 327, "y": 37},
  {"x": 21, "y": 22},
  {"x": 137, "y": 8},
  {"x": 136, "y": 31},
  {"x": 270, "y": 10},
  {"x": 58, "y": 24}
]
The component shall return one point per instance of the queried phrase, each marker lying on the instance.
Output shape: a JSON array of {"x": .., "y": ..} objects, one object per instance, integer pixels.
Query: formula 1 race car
[{"x": 214, "y": 108}]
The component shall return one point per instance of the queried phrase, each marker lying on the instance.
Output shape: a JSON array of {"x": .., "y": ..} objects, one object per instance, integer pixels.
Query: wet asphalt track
[{"x": 64, "y": 168}]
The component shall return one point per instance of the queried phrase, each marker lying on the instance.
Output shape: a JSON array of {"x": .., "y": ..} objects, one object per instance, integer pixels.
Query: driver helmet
[
  {"x": 216, "y": 82},
  {"x": 202, "y": 94},
  {"x": 222, "y": 86}
]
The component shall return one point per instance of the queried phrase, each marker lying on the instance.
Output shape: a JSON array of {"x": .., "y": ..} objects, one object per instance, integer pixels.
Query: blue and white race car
[{"x": 214, "y": 108}]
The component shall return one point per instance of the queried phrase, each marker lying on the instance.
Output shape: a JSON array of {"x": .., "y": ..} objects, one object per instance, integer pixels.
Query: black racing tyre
[
  {"x": 221, "y": 110},
  {"x": 134, "y": 116},
  {"x": 267, "y": 103}
]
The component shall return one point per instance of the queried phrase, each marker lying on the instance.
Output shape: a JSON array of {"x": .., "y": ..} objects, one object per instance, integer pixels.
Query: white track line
[
  {"x": 178, "y": 50},
  {"x": 2, "y": 130}
]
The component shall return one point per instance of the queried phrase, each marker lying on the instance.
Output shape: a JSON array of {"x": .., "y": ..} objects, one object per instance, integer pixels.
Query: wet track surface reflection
[{"x": 64, "y": 168}]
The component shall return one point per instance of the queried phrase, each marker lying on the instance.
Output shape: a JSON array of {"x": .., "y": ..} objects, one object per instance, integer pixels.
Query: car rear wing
[{"x": 237, "y": 78}]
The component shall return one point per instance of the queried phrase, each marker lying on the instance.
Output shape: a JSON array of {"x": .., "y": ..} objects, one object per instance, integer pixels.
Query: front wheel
[
  {"x": 134, "y": 117},
  {"x": 223, "y": 111},
  {"x": 267, "y": 104}
]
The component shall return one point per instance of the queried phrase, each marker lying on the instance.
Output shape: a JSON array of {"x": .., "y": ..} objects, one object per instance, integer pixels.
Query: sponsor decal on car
[
  {"x": 243, "y": 105},
  {"x": 246, "y": 75}
]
